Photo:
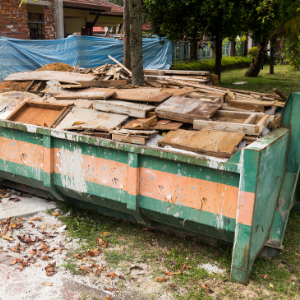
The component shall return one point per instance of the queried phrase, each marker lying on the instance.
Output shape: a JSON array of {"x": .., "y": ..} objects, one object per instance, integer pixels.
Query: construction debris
[{"x": 182, "y": 106}]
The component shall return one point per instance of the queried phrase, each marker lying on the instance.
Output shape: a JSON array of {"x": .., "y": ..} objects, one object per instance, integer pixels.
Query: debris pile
[{"x": 177, "y": 109}]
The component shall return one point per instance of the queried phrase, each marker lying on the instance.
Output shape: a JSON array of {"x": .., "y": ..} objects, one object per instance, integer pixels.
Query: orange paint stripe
[
  {"x": 22, "y": 153},
  {"x": 98, "y": 170},
  {"x": 246, "y": 206},
  {"x": 200, "y": 194}
]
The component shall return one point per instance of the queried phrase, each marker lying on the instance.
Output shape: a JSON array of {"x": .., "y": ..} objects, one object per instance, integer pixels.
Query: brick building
[{"x": 36, "y": 20}]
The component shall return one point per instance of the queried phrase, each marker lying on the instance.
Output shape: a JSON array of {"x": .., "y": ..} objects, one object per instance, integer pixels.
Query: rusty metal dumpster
[{"x": 245, "y": 200}]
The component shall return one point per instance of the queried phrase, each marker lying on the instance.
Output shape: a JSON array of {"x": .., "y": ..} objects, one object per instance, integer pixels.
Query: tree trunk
[
  {"x": 258, "y": 61},
  {"x": 194, "y": 49},
  {"x": 232, "y": 48},
  {"x": 218, "y": 58},
  {"x": 246, "y": 46},
  {"x": 135, "y": 7},
  {"x": 272, "y": 55},
  {"x": 126, "y": 31}
]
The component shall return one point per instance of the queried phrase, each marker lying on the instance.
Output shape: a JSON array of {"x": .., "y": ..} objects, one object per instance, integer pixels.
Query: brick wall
[
  {"x": 14, "y": 20},
  {"x": 49, "y": 22}
]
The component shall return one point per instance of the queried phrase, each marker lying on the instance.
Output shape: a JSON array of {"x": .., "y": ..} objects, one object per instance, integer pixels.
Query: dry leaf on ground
[
  {"x": 112, "y": 275},
  {"x": 102, "y": 243},
  {"x": 56, "y": 214},
  {"x": 47, "y": 284},
  {"x": 7, "y": 237},
  {"x": 161, "y": 279},
  {"x": 92, "y": 253}
]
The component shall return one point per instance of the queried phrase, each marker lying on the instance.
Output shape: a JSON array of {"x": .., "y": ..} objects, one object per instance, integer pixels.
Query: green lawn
[{"x": 285, "y": 79}]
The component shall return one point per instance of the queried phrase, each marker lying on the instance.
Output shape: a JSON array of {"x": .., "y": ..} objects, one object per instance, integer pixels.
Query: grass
[
  {"x": 129, "y": 243},
  {"x": 285, "y": 79},
  {"x": 209, "y": 65}
]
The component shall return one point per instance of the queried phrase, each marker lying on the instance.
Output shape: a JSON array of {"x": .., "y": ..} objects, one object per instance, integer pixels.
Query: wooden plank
[
  {"x": 186, "y": 109},
  {"x": 252, "y": 102},
  {"x": 112, "y": 71},
  {"x": 142, "y": 95},
  {"x": 247, "y": 106},
  {"x": 85, "y": 95},
  {"x": 129, "y": 139},
  {"x": 83, "y": 118},
  {"x": 141, "y": 123},
  {"x": 122, "y": 66},
  {"x": 283, "y": 97},
  {"x": 151, "y": 77},
  {"x": 176, "y": 72},
  {"x": 104, "y": 135},
  {"x": 140, "y": 133},
  {"x": 124, "y": 108},
  {"x": 99, "y": 83},
  {"x": 206, "y": 141},
  {"x": 251, "y": 119},
  {"x": 68, "y": 77},
  {"x": 163, "y": 125}
]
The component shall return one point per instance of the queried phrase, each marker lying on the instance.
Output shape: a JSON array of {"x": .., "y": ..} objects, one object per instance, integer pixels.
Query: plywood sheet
[
  {"x": 85, "y": 95},
  {"x": 210, "y": 142},
  {"x": 83, "y": 118},
  {"x": 143, "y": 95},
  {"x": 126, "y": 108},
  {"x": 186, "y": 109},
  {"x": 163, "y": 125},
  {"x": 50, "y": 75}
]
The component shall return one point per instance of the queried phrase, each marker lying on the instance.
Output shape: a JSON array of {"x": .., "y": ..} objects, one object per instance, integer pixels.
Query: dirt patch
[
  {"x": 8, "y": 86},
  {"x": 57, "y": 67}
]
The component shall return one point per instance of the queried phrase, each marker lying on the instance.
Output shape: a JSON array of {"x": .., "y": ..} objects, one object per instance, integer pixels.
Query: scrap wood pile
[{"x": 176, "y": 110}]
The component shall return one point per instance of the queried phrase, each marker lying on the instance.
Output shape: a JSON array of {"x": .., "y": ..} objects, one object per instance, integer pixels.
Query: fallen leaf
[
  {"x": 58, "y": 250},
  {"x": 204, "y": 286},
  {"x": 161, "y": 279},
  {"x": 13, "y": 262},
  {"x": 78, "y": 123},
  {"x": 102, "y": 243},
  {"x": 36, "y": 219},
  {"x": 183, "y": 267},
  {"x": 38, "y": 265},
  {"x": 7, "y": 237},
  {"x": 45, "y": 257},
  {"x": 94, "y": 266},
  {"x": 107, "y": 298},
  {"x": 38, "y": 253},
  {"x": 92, "y": 253},
  {"x": 50, "y": 269},
  {"x": 50, "y": 250},
  {"x": 171, "y": 273},
  {"x": 266, "y": 276},
  {"x": 32, "y": 224},
  {"x": 112, "y": 275},
  {"x": 56, "y": 214},
  {"x": 32, "y": 252},
  {"x": 173, "y": 286},
  {"x": 271, "y": 285},
  {"x": 121, "y": 277},
  {"x": 83, "y": 269},
  {"x": 47, "y": 284},
  {"x": 77, "y": 256},
  {"x": 136, "y": 268},
  {"x": 50, "y": 273}
]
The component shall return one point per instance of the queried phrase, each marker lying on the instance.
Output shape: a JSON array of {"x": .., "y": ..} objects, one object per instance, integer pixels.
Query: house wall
[{"x": 14, "y": 19}]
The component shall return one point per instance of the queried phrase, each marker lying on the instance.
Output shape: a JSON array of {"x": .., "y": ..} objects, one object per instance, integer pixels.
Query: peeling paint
[
  {"x": 72, "y": 174},
  {"x": 176, "y": 215}
]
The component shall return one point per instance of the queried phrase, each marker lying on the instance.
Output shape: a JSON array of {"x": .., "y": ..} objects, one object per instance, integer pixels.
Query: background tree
[
  {"x": 178, "y": 19},
  {"x": 126, "y": 31},
  {"x": 267, "y": 20}
]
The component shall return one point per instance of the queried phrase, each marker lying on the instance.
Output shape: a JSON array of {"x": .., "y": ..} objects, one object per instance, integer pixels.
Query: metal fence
[{"x": 181, "y": 50}]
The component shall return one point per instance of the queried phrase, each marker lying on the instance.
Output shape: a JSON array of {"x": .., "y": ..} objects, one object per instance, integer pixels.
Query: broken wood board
[
  {"x": 129, "y": 139},
  {"x": 50, "y": 75},
  {"x": 141, "y": 123},
  {"x": 83, "y": 118},
  {"x": 142, "y": 95},
  {"x": 166, "y": 125},
  {"x": 204, "y": 97},
  {"x": 254, "y": 105},
  {"x": 176, "y": 72},
  {"x": 38, "y": 113},
  {"x": 179, "y": 92},
  {"x": 124, "y": 108},
  {"x": 186, "y": 109},
  {"x": 206, "y": 141},
  {"x": 157, "y": 77},
  {"x": 139, "y": 133},
  {"x": 250, "y": 124},
  {"x": 99, "y": 83},
  {"x": 85, "y": 95},
  {"x": 77, "y": 103}
]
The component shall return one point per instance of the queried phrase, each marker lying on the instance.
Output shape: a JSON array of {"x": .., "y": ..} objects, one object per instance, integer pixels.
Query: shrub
[
  {"x": 291, "y": 52},
  {"x": 209, "y": 65},
  {"x": 253, "y": 51}
]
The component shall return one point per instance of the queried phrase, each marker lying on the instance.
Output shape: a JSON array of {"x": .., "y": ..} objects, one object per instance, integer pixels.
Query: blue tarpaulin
[{"x": 86, "y": 51}]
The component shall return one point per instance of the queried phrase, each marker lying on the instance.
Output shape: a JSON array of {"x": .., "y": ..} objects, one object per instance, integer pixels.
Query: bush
[
  {"x": 291, "y": 52},
  {"x": 209, "y": 65},
  {"x": 253, "y": 51}
]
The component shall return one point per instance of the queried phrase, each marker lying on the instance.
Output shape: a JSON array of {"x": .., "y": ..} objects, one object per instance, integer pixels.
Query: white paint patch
[
  {"x": 31, "y": 128},
  {"x": 209, "y": 268},
  {"x": 130, "y": 161},
  {"x": 176, "y": 215},
  {"x": 72, "y": 174}
]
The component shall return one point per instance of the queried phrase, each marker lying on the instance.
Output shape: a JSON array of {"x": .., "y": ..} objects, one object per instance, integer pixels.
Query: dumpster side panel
[{"x": 263, "y": 166}]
